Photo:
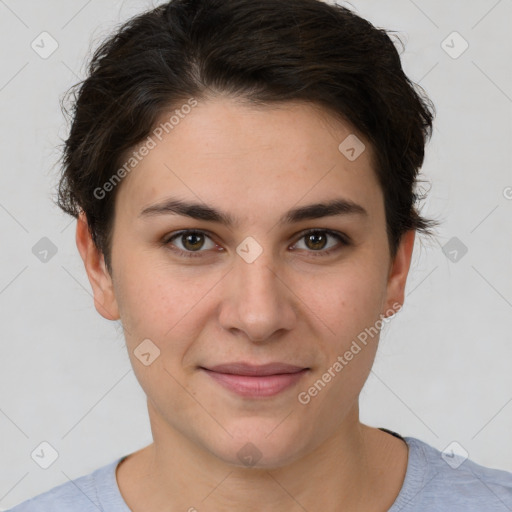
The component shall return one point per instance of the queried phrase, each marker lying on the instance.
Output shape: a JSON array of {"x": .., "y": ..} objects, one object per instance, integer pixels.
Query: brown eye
[
  {"x": 191, "y": 242},
  {"x": 316, "y": 241}
]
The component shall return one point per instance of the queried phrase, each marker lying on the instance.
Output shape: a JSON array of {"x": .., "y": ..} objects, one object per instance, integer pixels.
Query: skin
[{"x": 289, "y": 305}]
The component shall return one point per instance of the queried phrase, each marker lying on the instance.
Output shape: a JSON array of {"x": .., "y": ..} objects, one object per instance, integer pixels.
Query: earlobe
[
  {"x": 99, "y": 277},
  {"x": 398, "y": 272}
]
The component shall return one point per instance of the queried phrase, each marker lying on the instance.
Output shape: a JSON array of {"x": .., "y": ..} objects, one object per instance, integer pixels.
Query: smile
[{"x": 254, "y": 386}]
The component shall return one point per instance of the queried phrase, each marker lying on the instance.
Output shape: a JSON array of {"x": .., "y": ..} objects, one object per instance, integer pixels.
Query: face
[{"x": 259, "y": 290}]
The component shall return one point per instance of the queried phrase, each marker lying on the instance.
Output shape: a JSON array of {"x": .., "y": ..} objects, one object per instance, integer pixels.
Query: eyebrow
[{"x": 199, "y": 211}]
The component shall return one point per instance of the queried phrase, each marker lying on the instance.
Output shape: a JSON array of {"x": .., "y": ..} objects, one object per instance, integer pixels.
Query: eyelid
[
  {"x": 175, "y": 234},
  {"x": 336, "y": 234},
  {"x": 343, "y": 239}
]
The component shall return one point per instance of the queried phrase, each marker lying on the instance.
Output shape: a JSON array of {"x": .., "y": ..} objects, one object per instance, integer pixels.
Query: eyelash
[{"x": 343, "y": 239}]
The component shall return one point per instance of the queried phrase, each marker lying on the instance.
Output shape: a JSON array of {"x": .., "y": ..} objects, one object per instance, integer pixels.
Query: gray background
[{"x": 442, "y": 372}]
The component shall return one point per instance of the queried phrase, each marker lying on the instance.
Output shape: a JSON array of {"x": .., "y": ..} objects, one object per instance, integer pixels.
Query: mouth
[{"x": 256, "y": 381}]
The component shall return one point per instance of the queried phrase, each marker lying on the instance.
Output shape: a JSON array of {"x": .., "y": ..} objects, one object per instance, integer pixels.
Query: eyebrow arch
[{"x": 172, "y": 206}]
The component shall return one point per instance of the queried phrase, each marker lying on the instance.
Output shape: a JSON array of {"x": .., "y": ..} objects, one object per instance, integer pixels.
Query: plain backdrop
[{"x": 443, "y": 369}]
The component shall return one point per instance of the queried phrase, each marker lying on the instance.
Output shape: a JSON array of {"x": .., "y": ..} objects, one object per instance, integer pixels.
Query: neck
[{"x": 342, "y": 472}]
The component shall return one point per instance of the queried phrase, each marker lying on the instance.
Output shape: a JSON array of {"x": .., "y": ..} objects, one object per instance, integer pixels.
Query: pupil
[
  {"x": 312, "y": 237},
  {"x": 192, "y": 236}
]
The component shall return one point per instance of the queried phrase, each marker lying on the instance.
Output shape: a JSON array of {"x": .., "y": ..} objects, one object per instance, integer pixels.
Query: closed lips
[{"x": 240, "y": 368}]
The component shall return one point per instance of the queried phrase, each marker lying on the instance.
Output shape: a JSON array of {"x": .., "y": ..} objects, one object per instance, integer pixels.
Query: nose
[{"x": 258, "y": 301}]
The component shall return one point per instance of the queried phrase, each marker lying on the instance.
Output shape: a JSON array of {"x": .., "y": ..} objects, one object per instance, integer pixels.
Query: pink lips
[{"x": 256, "y": 381}]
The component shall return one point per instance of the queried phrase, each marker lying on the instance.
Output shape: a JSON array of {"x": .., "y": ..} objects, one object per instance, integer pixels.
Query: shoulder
[
  {"x": 446, "y": 481},
  {"x": 88, "y": 493}
]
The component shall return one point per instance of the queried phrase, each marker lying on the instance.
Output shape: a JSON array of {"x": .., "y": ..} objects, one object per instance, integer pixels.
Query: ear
[
  {"x": 398, "y": 272},
  {"x": 99, "y": 277}
]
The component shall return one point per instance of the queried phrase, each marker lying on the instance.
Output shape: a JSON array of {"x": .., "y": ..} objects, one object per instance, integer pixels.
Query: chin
[{"x": 260, "y": 444}]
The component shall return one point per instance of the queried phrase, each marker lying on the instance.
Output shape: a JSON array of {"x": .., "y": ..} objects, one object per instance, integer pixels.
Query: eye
[
  {"x": 192, "y": 241},
  {"x": 316, "y": 239}
]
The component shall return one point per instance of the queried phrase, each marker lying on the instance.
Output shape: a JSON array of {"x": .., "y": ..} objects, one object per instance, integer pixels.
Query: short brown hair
[{"x": 264, "y": 52}]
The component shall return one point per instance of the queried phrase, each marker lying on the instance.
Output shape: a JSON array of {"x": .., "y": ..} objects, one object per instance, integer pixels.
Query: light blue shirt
[{"x": 431, "y": 485}]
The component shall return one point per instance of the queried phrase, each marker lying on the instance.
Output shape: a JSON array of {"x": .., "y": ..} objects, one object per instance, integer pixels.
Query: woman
[{"x": 243, "y": 174}]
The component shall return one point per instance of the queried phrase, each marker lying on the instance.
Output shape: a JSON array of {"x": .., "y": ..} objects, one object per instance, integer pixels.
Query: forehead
[{"x": 249, "y": 159}]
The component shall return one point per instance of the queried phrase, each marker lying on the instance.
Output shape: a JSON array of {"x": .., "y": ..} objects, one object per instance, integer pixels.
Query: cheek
[
  {"x": 158, "y": 306},
  {"x": 349, "y": 306},
  {"x": 162, "y": 302},
  {"x": 345, "y": 301}
]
